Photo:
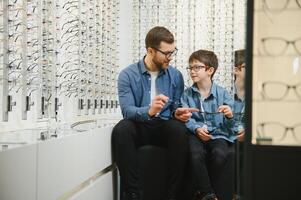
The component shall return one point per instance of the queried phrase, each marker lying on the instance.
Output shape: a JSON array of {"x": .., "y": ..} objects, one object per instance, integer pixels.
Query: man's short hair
[
  {"x": 157, "y": 35},
  {"x": 239, "y": 57},
  {"x": 207, "y": 57}
]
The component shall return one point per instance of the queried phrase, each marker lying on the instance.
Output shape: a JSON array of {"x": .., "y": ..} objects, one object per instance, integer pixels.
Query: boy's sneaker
[{"x": 211, "y": 196}]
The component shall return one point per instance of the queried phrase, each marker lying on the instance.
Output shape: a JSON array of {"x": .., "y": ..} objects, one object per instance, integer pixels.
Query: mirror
[{"x": 276, "y": 73}]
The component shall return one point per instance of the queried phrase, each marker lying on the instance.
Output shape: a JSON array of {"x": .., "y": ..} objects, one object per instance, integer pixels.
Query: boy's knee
[
  {"x": 219, "y": 157},
  {"x": 198, "y": 157}
]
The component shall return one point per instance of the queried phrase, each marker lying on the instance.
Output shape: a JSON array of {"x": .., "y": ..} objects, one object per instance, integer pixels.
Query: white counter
[{"x": 58, "y": 168}]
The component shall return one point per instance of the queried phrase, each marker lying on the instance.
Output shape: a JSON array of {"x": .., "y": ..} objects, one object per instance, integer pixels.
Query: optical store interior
[{"x": 60, "y": 96}]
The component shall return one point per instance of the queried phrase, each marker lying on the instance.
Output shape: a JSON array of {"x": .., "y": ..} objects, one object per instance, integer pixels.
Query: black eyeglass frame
[
  {"x": 197, "y": 68},
  {"x": 168, "y": 54}
]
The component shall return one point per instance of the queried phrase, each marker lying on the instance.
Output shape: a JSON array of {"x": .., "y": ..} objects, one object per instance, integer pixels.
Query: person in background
[
  {"x": 149, "y": 95},
  {"x": 211, "y": 139},
  {"x": 239, "y": 93},
  {"x": 239, "y": 116}
]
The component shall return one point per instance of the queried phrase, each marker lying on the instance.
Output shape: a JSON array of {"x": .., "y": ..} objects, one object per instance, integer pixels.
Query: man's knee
[
  {"x": 122, "y": 130},
  {"x": 176, "y": 125},
  {"x": 176, "y": 130}
]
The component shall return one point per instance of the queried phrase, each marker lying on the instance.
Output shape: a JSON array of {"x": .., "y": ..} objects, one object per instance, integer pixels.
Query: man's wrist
[
  {"x": 150, "y": 113},
  {"x": 176, "y": 116}
]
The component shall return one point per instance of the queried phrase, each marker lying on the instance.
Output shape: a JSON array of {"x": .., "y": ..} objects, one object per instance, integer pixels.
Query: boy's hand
[
  {"x": 183, "y": 114},
  {"x": 226, "y": 110},
  {"x": 157, "y": 104},
  {"x": 203, "y": 134},
  {"x": 241, "y": 135}
]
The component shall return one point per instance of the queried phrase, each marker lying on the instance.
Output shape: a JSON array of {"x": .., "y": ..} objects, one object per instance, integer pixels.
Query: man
[{"x": 149, "y": 94}]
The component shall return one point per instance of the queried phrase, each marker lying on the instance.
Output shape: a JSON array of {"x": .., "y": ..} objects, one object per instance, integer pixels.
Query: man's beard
[{"x": 159, "y": 65}]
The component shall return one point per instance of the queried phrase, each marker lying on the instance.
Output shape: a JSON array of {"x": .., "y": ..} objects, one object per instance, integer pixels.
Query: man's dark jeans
[{"x": 128, "y": 136}]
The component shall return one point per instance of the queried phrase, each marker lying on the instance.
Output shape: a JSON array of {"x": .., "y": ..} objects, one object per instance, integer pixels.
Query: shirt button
[
  {"x": 149, "y": 79},
  {"x": 149, "y": 92}
]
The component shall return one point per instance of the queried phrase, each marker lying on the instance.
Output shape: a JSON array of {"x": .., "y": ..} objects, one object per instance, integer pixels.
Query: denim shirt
[
  {"x": 134, "y": 89},
  {"x": 217, "y": 124},
  {"x": 238, "y": 112}
]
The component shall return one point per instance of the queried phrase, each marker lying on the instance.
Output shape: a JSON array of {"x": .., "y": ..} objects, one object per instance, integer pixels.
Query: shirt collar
[
  {"x": 142, "y": 66},
  {"x": 213, "y": 90},
  {"x": 236, "y": 97},
  {"x": 144, "y": 70}
]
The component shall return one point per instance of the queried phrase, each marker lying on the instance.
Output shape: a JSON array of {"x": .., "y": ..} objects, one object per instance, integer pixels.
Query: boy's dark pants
[
  {"x": 128, "y": 136},
  {"x": 212, "y": 165}
]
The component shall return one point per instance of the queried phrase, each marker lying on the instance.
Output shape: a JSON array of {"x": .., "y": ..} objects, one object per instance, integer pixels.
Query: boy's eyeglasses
[
  {"x": 169, "y": 54},
  {"x": 196, "y": 68}
]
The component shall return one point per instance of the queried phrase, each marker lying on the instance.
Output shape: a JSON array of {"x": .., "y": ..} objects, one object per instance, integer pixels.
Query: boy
[{"x": 211, "y": 139}]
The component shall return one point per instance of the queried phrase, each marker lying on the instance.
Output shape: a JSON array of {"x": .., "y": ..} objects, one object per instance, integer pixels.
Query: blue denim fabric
[
  {"x": 239, "y": 113},
  {"x": 217, "y": 124},
  {"x": 134, "y": 86}
]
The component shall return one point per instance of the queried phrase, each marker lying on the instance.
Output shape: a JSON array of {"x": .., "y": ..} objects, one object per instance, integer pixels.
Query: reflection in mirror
[
  {"x": 239, "y": 93},
  {"x": 239, "y": 117}
]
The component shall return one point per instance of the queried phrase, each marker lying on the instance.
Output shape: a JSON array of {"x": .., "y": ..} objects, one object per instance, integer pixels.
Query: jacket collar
[
  {"x": 213, "y": 90},
  {"x": 144, "y": 70}
]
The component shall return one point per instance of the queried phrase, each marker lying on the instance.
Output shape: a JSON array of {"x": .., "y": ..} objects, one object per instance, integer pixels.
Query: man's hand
[
  {"x": 226, "y": 110},
  {"x": 241, "y": 135},
  {"x": 203, "y": 134},
  {"x": 183, "y": 114},
  {"x": 157, "y": 104}
]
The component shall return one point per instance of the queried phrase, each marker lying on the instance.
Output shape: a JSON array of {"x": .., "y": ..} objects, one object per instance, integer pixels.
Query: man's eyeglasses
[
  {"x": 168, "y": 54},
  {"x": 196, "y": 68}
]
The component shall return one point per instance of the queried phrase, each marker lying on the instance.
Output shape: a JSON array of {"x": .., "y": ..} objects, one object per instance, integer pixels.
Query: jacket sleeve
[
  {"x": 179, "y": 83},
  {"x": 230, "y": 123},
  {"x": 127, "y": 100}
]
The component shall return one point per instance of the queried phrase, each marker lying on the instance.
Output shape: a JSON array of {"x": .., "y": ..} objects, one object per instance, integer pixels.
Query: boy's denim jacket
[
  {"x": 217, "y": 124},
  {"x": 239, "y": 113}
]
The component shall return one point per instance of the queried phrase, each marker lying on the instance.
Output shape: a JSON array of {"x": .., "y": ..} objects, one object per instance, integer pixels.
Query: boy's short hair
[
  {"x": 207, "y": 57},
  {"x": 157, "y": 35},
  {"x": 239, "y": 57}
]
